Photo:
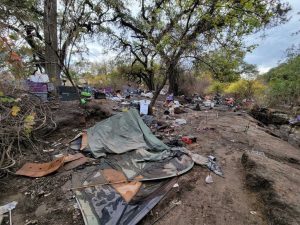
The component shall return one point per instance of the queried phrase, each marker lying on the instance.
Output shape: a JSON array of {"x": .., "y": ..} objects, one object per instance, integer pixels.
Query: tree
[
  {"x": 75, "y": 20},
  {"x": 143, "y": 67},
  {"x": 284, "y": 82},
  {"x": 51, "y": 44},
  {"x": 225, "y": 66},
  {"x": 174, "y": 29}
]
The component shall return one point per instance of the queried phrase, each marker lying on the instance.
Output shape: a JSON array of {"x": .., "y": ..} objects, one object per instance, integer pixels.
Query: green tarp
[
  {"x": 139, "y": 155},
  {"x": 122, "y": 133}
]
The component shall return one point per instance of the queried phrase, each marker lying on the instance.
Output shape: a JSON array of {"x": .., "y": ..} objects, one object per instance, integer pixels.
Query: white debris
[
  {"x": 180, "y": 121},
  {"x": 8, "y": 207},
  {"x": 209, "y": 179}
]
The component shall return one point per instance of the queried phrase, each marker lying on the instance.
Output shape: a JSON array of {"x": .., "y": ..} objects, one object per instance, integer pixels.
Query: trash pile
[{"x": 132, "y": 169}]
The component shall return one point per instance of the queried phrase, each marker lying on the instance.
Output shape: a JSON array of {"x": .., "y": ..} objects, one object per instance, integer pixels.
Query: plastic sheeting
[
  {"x": 152, "y": 165},
  {"x": 140, "y": 157},
  {"x": 104, "y": 205},
  {"x": 122, "y": 133}
]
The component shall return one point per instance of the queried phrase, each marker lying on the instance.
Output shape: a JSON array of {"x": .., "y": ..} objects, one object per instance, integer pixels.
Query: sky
[{"x": 271, "y": 49}]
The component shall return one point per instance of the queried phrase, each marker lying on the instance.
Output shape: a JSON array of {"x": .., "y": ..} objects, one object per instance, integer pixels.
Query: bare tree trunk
[
  {"x": 51, "y": 46},
  {"x": 172, "y": 73},
  {"x": 150, "y": 82},
  {"x": 156, "y": 93}
]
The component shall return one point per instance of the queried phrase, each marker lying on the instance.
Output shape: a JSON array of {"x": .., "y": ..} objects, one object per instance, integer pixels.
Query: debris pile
[
  {"x": 133, "y": 170},
  {"x": 117, "y": 170},
  {"x": 24, "y": 118}
]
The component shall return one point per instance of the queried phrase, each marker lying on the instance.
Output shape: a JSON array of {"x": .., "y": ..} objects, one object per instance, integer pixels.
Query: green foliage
[
  {"x": 225, "y": 66},
  {"x": 29, "y": 122},
  {"x": 284, "y": 82},
  {"x": 248, "y": 89},
  {"x": 181, "y": 29},
  {"x": 216, "y": 87},
  {"x": 6, "y": 99}
]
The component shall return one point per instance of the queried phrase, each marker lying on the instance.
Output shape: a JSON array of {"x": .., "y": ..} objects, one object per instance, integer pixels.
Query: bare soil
[{"x": 258, "y": 188}]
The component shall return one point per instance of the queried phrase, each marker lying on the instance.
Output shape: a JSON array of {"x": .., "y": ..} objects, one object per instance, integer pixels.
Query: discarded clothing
[
  {"x": 213, "y": 166},
  {"x": 209, "y": 162},
  {"x": 148, "y": 120}
]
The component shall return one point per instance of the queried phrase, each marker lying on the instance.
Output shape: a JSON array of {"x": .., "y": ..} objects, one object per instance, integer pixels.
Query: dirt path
[{"x": 227, "y": 200}]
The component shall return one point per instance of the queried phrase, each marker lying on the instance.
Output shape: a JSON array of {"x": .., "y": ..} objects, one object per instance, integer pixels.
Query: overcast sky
[
  {"x": 270, "y": 51},
  {"x": 272, "y": 48}
]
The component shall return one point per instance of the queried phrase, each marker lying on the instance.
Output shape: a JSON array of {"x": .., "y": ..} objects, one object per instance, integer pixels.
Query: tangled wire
[{"x": 24, "y": 119}]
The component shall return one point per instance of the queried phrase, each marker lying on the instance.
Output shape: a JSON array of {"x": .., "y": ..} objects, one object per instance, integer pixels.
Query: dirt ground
[{"x": 261, "y": 189}]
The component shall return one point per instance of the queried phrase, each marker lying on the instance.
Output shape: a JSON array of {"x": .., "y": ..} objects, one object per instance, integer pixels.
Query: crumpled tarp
[
  {"x": 104, "y": 205},
  {"x": 151, "y": 165},
  {"x": 140, "y": 157},
  {"x": 102, "y": 202},
  {"x": 122, "y": 133}
]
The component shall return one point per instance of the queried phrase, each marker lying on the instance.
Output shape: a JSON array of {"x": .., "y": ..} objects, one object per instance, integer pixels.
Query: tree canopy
[
  {"x": 54, "y": 32},
  {"x": 179, "y": 29},
  {"x": 284, "y": 82}
]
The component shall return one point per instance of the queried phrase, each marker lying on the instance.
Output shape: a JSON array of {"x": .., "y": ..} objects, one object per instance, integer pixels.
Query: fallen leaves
[{"x": 15, "y": 110}]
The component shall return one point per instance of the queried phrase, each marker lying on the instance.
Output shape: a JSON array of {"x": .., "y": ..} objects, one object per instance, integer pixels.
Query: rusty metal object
[
  {"x": 40, "y": 169},
  {"x": 70, "y": 158},
  {"x": 75, "y": 163},
  {"x": 127, "y": 189},
  {"x": 43, "y": 169}
]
